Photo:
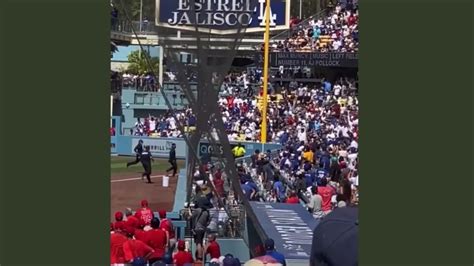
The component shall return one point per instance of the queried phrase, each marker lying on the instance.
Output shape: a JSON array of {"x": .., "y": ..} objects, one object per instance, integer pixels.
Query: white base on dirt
[{"x": 166, "y": 181}]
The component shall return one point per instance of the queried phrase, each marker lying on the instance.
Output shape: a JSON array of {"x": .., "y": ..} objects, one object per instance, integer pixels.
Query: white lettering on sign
[
  {"x": 315, "y": 59},
  {"x": 261, "y": 17},
  {"x": 219, "y": 13},
  {"x": 161, "y": 147},
  {"x": 294, "y": 232}
]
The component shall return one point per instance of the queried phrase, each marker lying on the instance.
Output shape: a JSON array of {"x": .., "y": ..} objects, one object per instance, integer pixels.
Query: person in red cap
[
  {"x": 139, "y": 233},
  {"x": 117, "y": 239},
  {"x": 182, "y": 257},
  {"x": 144, "y": 213},
  {"x": 167, "y": 226},
  {"x": 157, "y": 239},
  {"x": 132, "y": 223},
  {"x": 134, "y": 249},
  {"x": 119, "y": 223}
]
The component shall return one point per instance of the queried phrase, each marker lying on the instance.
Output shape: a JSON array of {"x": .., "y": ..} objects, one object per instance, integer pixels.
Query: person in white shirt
[
  {"x": 249, "y": 133},
  {"x": 152, "y": 124},
  {"x": 302, "y": 135},
  {"x": 354, "y": 144}
]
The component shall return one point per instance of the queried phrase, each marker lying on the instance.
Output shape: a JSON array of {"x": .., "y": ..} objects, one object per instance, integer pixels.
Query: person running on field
[
  {"x": 146, "y": 159},
  {"x": 138, "y": 152},
  {"x": 172, "y": 160}
]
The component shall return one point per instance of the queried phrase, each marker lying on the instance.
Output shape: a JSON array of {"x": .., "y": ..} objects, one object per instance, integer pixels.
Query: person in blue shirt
[
  {"x": 248, "y": 191},
  {"x": 327, "y": 86},
  {"x": 270, "y": 251},
  {"x": 284, "y": 138},
  {"x": 294, "y": 164},
  {"x": 254, "y": 189},
  {"x": 280, "y": 189},
  {"x": 309, "y": 178}
]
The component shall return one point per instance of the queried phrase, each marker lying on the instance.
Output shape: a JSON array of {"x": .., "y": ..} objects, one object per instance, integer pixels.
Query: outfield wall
[{"x": 159, "y": 147}]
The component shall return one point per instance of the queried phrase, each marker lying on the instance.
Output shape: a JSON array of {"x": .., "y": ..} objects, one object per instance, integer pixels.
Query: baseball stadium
[{"x": 234, "y": 132}]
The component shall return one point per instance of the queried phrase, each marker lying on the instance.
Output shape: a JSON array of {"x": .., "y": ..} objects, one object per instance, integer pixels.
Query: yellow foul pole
[{"x": 265, "y": 73}]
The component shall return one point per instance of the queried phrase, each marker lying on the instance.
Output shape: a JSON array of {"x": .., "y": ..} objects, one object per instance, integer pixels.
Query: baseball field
[{"x": 127, "y": 187}]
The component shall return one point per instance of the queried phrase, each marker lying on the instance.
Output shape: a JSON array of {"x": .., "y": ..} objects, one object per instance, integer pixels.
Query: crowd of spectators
[
  {"x": 317, "y": 166},
  {"x": 317, "y": 125},
  {"x": 300, "y": 105},
  {"x": 315, "y": 122},
  {"x": 140, "y": 238},
  {"x": 336, "y": 32}
]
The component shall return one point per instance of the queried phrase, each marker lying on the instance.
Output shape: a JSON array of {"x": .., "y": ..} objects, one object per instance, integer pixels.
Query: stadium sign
[
  {"x": 316, "y": 59},
  {"x": 327, "y": 59},
  {"x": 221, "y": 16}
]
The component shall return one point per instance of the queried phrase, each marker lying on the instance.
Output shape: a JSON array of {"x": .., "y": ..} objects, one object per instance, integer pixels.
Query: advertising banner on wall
[
  {"x": 161, "y": 147},
  {"x": 222, "y": 16},
  {"x": 207, "y": 149}
]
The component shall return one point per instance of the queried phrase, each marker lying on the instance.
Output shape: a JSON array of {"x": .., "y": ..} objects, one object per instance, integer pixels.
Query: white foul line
[{"x": 132, "y": 179}]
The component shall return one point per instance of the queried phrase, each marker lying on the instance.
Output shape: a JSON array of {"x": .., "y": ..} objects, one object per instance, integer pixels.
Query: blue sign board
[
  {"x": 222, "y": 16},
  {"x": 291, "y": 226}
]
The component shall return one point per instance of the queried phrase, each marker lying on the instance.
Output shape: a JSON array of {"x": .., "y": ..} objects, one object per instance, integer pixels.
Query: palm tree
[{"x": 138, "y": 63}]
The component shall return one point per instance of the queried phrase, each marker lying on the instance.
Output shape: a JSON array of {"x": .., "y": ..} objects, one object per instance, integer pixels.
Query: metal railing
[{"x": 124, "y": 26}]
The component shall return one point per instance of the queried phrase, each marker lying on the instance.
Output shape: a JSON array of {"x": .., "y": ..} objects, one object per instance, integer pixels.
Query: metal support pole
[
  {"x": 160, "y": 70},
  {"x": 141, "y": 16},
  {"x": 301, "y": 9},
  {"x": 265, "y": 73}
]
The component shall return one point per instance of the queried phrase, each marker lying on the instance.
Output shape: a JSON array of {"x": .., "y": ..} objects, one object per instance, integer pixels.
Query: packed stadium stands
[
  {"x": 315, "y": 122},
  {"x": 336, "y": 32}
]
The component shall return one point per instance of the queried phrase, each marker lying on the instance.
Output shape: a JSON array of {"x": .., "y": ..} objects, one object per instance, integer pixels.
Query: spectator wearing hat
[
  {"x": 131, "y": 222},
  {"x": 144, "y": 213},
  {"x": 167, "y": 226},
  {"x": 156, "y": 238},
  {"x": 212, "y": 248},
  {"x": 182, "y": 257},
  {"x": 270, "y": 249},
  {"x": 119, "y": 223},
  {"x": 337, "y": 232},
  {"x": 139, "y": 232}
]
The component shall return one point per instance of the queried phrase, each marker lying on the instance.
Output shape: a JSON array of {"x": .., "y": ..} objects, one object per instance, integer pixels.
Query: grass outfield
[{"x": 118, "y": 165}]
